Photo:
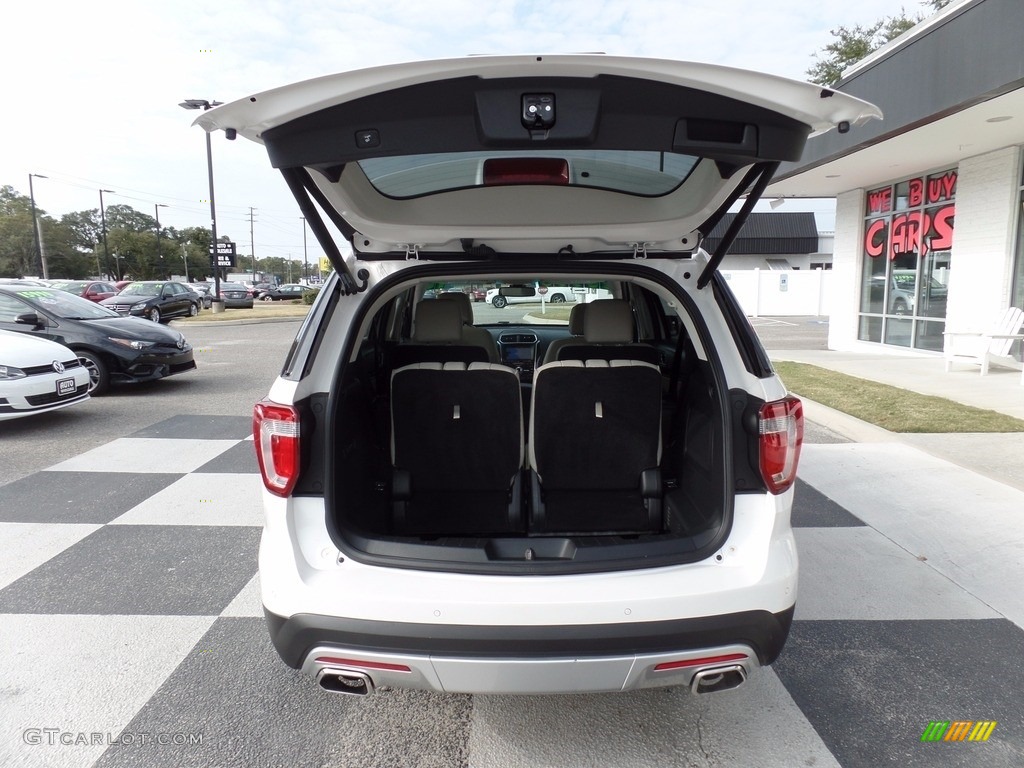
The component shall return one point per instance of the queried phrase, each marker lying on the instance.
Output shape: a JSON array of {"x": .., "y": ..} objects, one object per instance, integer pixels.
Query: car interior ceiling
[{"x": 620, "y": 439}]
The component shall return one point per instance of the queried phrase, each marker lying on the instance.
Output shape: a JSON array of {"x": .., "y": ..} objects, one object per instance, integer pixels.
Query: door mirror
[{"x": 30, "y": 318}]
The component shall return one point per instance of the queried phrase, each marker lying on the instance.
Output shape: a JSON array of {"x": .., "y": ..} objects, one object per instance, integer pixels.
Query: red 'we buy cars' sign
[{"x": 926, "y": 226}]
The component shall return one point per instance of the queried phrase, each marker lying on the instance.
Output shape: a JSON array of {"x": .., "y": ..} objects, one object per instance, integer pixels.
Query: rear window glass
[
  {"x": 633, "y": 173},
  {"x": 519, "y": 300}
]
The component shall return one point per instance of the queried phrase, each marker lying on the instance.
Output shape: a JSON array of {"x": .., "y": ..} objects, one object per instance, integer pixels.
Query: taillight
[
  {"x": 276, "y": 432},
  {"x": 781, "y": 428}
]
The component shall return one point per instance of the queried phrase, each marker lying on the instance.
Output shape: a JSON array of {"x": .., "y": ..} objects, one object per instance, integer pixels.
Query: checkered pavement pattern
[{"x": 131, "y": 631}]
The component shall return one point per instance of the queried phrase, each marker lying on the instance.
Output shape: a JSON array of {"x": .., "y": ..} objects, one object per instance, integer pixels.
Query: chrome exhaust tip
[
  {"x": 714, "y": 679},
  {"x": 346, "y": 681}
]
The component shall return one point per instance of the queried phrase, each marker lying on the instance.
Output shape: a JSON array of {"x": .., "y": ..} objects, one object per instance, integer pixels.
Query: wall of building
[
  {"x": 983, "y": 245},
  {"x": 759, "y": 261},
  {"x": 846, "y": 267},
  {"x": 781, "y": 293}
]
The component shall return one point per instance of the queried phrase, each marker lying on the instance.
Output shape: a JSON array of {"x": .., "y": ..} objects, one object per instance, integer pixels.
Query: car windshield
[
  {"x": 143, "y": 289},
  {"x": 69, "y": 285},
  {"x": 66, "y": 305},
  {"x": 633, "y": 173}
]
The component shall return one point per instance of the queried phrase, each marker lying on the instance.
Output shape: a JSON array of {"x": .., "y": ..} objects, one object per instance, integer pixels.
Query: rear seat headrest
[
  {"x": 437, "y": 322},
  {"x": 576, "y": 316},
  {"x": 608, "y": 321},
  {"x": 462, "y": 301}
]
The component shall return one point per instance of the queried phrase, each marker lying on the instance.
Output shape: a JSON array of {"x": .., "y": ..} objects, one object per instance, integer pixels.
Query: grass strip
[
  {"x": 289, "y": 312},
  {"x": 892, "y": 408}
]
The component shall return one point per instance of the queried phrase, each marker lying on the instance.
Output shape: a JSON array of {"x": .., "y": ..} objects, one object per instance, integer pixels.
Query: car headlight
[
  {"x": 132, "y": 343},
  {"x": 8, "y": 372},
  {"x": 140, "y": 305}
]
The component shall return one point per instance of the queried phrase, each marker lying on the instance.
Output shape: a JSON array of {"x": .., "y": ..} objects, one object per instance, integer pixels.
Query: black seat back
[
  {"x": 456, "y": 448},
  {"x": 595, "y": 446}
]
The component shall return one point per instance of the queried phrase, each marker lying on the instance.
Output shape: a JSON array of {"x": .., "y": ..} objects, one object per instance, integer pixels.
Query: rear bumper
[{"x": 528, "y": 659}]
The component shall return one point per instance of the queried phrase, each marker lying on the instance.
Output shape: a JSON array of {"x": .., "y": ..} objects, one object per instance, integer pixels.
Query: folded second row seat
[{"x": 595, "y": 443}]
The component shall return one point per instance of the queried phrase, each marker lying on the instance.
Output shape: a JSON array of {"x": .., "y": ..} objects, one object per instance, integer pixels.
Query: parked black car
[
  {"x": 156, "y": 300},
  {"x": 285, "y": 292},
  {"x": 112, "y": 348}
]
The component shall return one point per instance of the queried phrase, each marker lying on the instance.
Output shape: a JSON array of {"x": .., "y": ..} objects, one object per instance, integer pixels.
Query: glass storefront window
[
  {"x": 1018, "y": 269},
  {"x": 908, "y": 239}
]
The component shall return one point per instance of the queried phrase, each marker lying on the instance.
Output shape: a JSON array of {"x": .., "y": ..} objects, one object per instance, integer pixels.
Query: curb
[{"x": 846, "y": 425}]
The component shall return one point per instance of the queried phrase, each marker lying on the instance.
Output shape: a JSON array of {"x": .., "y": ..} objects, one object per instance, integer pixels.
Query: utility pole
[
  {"x": 103, "y": 220},
  {"x": 40, "y": 248},
  {"x": 156, "y": 209},
  {"x": 252, "y": 247},
  {"x": 184, "y": 257}
]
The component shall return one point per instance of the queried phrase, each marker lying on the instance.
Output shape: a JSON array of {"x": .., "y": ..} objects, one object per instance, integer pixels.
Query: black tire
[
  {"x": 193, "y": 309},
  {"x": 153, "y": 314},
  {"x": 900, "y": 307},
  {"x": 99, "y": 376},
  {"x": 266, "y": 297},
  {"x": 498, "y": 302},
  {"x": 558, "y": 299}
]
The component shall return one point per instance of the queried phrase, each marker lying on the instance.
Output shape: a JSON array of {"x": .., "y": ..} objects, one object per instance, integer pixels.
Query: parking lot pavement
[{"x": 131, "y": 631}]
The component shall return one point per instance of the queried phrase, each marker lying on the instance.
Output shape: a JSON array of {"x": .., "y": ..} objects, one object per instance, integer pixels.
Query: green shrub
[{"x": 308, "y": 297}]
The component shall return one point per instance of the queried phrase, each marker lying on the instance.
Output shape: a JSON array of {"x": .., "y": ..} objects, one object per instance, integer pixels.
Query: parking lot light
[{"x": 204, "y": 105}]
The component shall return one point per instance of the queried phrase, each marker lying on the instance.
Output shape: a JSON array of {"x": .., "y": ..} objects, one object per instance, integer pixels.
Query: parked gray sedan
[{"x": 236, "y": 296}]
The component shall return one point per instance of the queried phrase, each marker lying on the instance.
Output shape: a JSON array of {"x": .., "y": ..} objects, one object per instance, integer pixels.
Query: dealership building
[{"x": 929, "y": 232}]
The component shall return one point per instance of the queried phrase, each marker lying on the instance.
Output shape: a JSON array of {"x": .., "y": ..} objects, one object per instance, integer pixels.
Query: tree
[
  {"x": 17, "y": 242},
  {"x": 126, "y": 217},
  {"x": 852, "y": 44},
  {"x": 83, "y": 228}
]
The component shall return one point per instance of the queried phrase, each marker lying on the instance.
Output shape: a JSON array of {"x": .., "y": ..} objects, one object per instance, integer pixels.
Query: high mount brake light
[
  {"x": 276, "y": 432},
  {"x": 781, "y": 429},
  {"x": 526, "y": 170}
]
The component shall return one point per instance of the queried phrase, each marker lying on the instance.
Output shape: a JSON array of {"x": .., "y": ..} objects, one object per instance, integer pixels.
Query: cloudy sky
[{"x": 90, "y": 90}]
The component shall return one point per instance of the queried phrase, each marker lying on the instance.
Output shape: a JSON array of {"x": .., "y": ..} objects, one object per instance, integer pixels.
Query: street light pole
[
  {"x": 156, "y": 209},
  {"x": 204, "y": 105},
  {"x": 40, "y": 253},
  {"x": 103, "y": 221},
  {"x": 305, "y": 259}
]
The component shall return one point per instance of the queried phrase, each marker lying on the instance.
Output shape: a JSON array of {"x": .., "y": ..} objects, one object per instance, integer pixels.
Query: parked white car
[
  {"x": 529, "y": 293},
  {"x": 37, "y": 376},
  {"x": 614, "y": 519}
]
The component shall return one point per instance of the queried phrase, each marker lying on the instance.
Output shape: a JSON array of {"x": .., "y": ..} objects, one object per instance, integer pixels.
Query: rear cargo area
[{"x": 581, "y": 461}]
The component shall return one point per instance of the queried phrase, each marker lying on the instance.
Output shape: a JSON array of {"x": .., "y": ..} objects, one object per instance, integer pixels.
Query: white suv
[{"x": 470, "y": 505}]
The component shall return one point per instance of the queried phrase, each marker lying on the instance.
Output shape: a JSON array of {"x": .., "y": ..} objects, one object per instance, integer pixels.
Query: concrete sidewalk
[{"x": 996, "y": 456}]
